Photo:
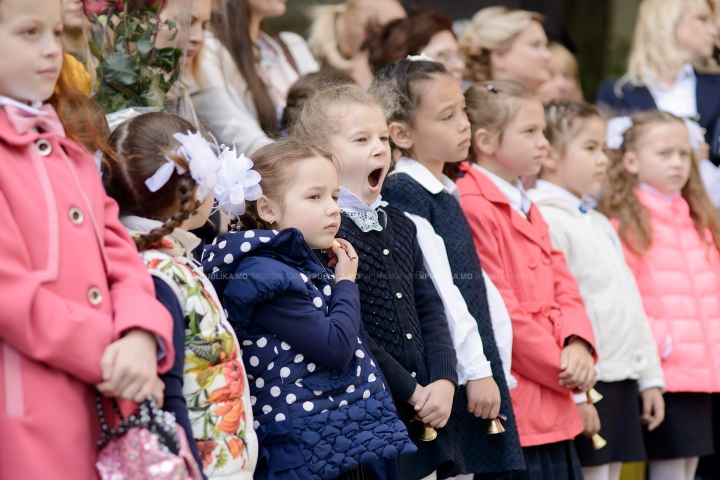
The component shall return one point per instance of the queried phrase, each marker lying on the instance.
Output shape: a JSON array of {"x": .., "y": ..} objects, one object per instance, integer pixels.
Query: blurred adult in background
[
  {"x": 564, "y": 83},
  {"x": 422, "y": 31},
  {"x": 245, "y": 72},
  {"x": 189, "y": 35},
  {"x": 671, "y": 68},
  {"x": 73, "y": 39},
  {"x": 503, "y": 44},
  {"x": 338, "y": 32}
]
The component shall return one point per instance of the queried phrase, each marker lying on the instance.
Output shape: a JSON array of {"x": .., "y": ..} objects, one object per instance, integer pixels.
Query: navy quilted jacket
[{"x": 320, "y": 402}]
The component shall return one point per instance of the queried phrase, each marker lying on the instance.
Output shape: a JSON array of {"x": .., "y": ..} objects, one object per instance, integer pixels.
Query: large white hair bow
[
  {"x": 238, "y": 182},
  {"x": 616, "y": 128},
  {"x": 202, "y": 161}
]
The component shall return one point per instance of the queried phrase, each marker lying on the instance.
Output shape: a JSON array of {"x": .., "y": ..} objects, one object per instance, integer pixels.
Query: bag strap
[
  {"x": 287, "y": 53},
  {"x": 149, "y": 416}
]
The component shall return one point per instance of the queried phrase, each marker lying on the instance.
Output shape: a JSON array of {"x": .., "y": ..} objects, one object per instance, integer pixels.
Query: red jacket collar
[{"x": 479, "y": 184}]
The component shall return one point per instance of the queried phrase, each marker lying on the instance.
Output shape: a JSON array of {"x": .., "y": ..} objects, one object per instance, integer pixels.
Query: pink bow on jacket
[{"x": 24, "y": 118}]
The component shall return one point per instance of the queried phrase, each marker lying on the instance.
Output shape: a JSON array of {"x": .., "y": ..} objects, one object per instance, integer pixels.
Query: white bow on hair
[
  {"x": 202, "y": 162},
  {"x": 616, "y": 128},
  {"x": 238, "y": 182},
  {"x": 419, "y": 58}
]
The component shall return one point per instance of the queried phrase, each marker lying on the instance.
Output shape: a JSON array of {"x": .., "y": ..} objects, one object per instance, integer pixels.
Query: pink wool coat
[
  {"x": 71, "y": 282},
  {"x": 543, "y": 301},
  {"x": 679, "y": 280}
]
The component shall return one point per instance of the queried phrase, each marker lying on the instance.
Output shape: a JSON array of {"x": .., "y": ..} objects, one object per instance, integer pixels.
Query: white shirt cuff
[
  {"x": 645, "y": 383},
  {"x": 580, "y": 398},
  {"x": 477, "y": 372}
]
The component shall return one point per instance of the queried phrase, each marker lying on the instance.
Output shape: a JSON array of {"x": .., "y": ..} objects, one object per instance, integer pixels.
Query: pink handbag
[{"x": 147, "y": 445}]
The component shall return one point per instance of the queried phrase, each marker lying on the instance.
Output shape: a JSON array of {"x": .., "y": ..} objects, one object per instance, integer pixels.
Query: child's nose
[
  {"x": 333, "y": 209},
  {"x": 542, "y": 141},
  {"x": 381, "y": 148},
  {"x": 52, "y": 45},
  {"x": 464, "y": 122}
]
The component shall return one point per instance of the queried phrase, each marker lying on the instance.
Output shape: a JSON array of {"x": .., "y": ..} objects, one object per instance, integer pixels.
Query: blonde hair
[
  {"x": 654, "y": 45},
  {"x": 562, "y": 59},
  {"x": 326, "y": 42},
  {"x": 492, "y": 29},
  {"x": 323, "y": 36},
  {"x": 622, "y": 203},
  {"x": 319, "y": 120}
]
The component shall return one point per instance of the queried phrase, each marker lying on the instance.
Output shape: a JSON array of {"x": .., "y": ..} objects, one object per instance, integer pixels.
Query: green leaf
[
  {"x": 145, "y": 46},
  {"x": 120, "y": 68},
  {"x": 222, "y": 458},
  {"x": 95, "y": 50}
]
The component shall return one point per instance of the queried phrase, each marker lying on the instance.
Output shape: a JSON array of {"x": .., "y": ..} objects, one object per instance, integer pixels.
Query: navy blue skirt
[
  {"x": 620, "y": 426},
  {"x": 554, "y": 461},
  {"x": 687, "y": 430}
]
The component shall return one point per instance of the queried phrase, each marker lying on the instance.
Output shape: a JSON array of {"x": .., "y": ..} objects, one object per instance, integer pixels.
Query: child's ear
[
  {"x": 630, "y": 162},
  {"x": 551, "y": 159},
  {"x": 485, "y": 142},
  {"x": 400, "y": 135},
  {"x": 266, "y": 209},
  {"x": 497, "y": 61}
]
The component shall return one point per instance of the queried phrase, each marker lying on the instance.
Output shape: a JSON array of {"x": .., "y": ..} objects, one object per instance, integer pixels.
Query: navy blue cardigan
[
  {"x": 638, "y": 99},
  {"x": 489, "y": 456}
]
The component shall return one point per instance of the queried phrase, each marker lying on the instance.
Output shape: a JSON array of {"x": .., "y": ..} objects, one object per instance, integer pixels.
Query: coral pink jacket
[
  {"x": 71, "y": 282},
  {"x": 543, "y": 301},
  {"x": 679, "y": 280}
]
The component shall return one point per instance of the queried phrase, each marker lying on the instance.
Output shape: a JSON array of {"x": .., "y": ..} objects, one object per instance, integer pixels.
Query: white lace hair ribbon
[
  {"x": 202, "y": 162},
  {"x": 616, "y": 128},
  {"x": 237, "y": 183}
]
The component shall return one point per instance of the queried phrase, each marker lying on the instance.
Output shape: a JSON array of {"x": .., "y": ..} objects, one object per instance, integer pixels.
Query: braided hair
[{"x": 138, "y": 147}]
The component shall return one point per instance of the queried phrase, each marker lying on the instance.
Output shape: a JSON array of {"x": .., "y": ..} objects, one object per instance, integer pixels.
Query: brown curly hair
[
  {"x": 276, "y": 163},
  {"x": 138, "y": 147},
  {"x": 621, "y": 202}
]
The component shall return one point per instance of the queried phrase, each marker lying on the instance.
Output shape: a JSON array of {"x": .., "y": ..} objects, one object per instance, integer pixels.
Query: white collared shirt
[
  {"x": 516, "y": 195},
  {"x": 472, "y": 363},
  {"x": 349, "y": 202},
  {"x": 425, "y": 178},
  {"x": 679, "y": 99},
  {"x": 583, "y": 204}
]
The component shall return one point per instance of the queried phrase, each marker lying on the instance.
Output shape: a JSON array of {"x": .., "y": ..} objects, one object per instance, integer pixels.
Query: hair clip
[
  {"x": 491, "y": 88},
  {"x": 419, "y": 58}
]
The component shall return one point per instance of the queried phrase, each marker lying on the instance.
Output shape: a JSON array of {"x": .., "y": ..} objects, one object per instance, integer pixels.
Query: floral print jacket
[{"x": 215, "y": 384}]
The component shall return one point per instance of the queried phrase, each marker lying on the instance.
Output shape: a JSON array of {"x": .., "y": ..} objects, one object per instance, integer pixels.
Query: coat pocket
[{"x": 12, "y": 374}]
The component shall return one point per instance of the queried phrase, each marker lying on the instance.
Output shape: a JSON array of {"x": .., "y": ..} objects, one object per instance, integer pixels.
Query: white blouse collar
[
  {"x": 425, "y": 178},
  {"x": 349, "y": 202}
]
